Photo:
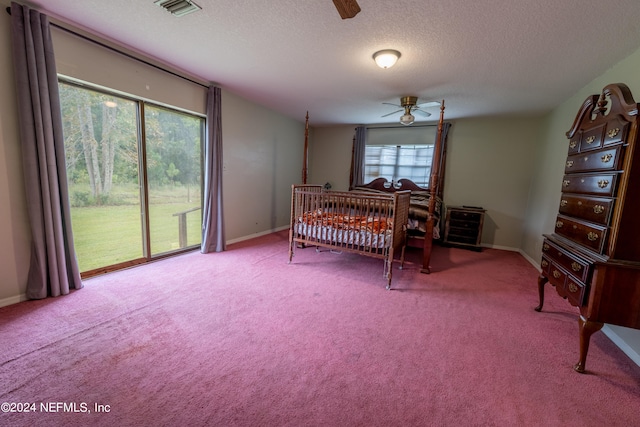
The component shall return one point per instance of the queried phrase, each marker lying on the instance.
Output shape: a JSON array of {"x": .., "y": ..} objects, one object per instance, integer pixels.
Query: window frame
[
  {"x": 414, "y": 140},
  {"x": 141, "y": 103}
]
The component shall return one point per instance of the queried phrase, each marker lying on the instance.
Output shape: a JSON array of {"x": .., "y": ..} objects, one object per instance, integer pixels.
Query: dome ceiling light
[{"x": 386, "y": 58}]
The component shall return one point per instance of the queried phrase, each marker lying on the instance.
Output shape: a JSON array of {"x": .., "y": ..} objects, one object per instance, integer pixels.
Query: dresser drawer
[
  {"x": 557, "y": 277},
  {"x": 466, "y": 231},
  {"x": 545, "y": 264},
  {"x": 616, "y": 132},
  {"x": 567, "y": 260},
  {"x": 464, "y": 216},
  {"x": 462, "y": 239},
  {"x": 574, "y": 145},
  {"x": 601, "y": 160},
  {"x": 575, "y": 291},
  {"x": 586, "y": 234},
  {"x": 596, "y": 184},
  {"x": 591, "y": 139},
  {"x": 592, "y": 209},
  {"x": 566, "y": 285}
]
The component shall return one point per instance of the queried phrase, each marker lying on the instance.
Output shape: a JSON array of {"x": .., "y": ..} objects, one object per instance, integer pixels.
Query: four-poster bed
[
  {"x": 426, "y": 203},
  {"x": 371, "y": 219}
]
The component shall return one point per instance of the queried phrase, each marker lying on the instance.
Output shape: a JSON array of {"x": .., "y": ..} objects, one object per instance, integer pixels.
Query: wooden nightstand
[{"x": 463, "y": 226}]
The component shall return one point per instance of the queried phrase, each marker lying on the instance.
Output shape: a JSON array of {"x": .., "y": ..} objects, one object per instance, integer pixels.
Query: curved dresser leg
[
  {"x": 587, "y": 328},
  {"x": 541, "y": 281}
]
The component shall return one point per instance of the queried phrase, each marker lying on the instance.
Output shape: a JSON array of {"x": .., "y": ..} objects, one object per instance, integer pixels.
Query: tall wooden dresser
[{"x": 593, "y": 256}]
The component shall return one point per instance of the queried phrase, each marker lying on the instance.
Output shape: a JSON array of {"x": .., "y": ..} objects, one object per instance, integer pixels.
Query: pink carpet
[{"x": 242, "y": 338}]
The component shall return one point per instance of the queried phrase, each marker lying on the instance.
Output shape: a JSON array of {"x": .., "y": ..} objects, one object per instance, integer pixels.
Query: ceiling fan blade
[
  {"x": 429, "y": 104},
  {"x": 421, "y": 112},
  {"x": 347, "y": 8},
  {"x": 395, "y": 105},
  {"x": 394, "y": 112}
]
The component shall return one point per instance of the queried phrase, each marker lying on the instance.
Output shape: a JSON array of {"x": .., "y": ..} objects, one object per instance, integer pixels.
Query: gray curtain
[
  {"x": 445, "y": 132},
  {"x": 53, "y": 268},
  {"x": 357, "y": 166},
  {"x": 212, "y": 219},
  {"x": 443, "y": 154}
]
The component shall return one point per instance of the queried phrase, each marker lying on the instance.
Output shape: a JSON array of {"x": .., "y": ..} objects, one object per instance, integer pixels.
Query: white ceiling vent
[{"x": 178, "y": 7}]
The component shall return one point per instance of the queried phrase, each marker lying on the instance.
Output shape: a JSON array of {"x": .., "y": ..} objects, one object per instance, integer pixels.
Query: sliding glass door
[
  {"x": 173, "y": 164},
  {"x": 134, "y": 176}
]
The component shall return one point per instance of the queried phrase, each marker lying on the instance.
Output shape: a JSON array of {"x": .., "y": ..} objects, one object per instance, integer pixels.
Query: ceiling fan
[
  {"x": 409, "y": 104},
  {"x": 347, "y": 8}
]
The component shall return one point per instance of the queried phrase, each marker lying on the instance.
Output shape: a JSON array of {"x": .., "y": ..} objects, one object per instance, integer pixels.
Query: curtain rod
[{"x": 113, "y": 49}]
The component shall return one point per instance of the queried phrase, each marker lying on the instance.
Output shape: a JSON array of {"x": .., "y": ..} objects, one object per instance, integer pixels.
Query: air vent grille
[{"x": 178, "y": 7}]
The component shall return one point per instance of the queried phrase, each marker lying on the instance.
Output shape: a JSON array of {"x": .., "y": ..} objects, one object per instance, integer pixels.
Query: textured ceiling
[{"x": 488, "y": 57}]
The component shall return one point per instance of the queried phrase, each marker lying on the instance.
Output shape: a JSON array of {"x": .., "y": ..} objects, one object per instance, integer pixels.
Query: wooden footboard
[{"x": 374, "y": 225}]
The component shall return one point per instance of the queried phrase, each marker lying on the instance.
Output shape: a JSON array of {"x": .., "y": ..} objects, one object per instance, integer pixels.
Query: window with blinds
[{"x": 411, "y": 156}]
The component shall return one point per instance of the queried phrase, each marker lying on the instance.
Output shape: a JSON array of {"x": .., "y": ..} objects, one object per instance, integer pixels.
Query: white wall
[
  {"x": 489, "y": 165},
  {"x": 262, "y": 156},
  {"x": 330, "y": 156}
]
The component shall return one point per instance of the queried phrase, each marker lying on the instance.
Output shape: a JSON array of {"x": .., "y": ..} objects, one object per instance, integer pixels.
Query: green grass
[{"x": 107, "y": 235}]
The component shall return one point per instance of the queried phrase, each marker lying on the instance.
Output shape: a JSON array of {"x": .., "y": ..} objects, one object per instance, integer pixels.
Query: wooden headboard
[{"x": 382, "y": 184}]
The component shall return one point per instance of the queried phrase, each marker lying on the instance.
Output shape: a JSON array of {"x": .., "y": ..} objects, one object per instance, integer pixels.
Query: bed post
[
  {"x": 433, "y": 187},
  {"x": 306, "y": 149}
]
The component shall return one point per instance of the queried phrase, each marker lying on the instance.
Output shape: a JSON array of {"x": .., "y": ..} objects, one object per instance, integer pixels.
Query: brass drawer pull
[
  {"x": 603, "y": 183},
  {"x": 606, "y": 158},
  {"x": 598, "y": 209},
  {"x": 590, "y": 139},
  {"x": 566, "y": 183},
  {"x": 573, "y": 144},
  {"x": 613, "y": 132},
  {"x": 563, "y": 203},
  {"x": 559, "y": 224},
  {"x": 545, "y": 247},
  {"x": 545, "y": 263},
  {"x": 576, "y": 266},
  {"x": 592, "y": 236},
  {"x": 569, "y": 163},
  {"x": 556, "y": 274},
  {"x": 573, "y": 288}
]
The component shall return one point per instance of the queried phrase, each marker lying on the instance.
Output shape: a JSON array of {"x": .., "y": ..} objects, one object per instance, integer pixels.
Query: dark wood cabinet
[
  {"x": 463, "y": 226},
  {"x": 593, "y": 256}
]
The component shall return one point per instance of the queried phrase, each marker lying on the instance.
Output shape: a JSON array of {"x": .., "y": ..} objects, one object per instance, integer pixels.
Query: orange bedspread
[{"x": 374, "y": 225}]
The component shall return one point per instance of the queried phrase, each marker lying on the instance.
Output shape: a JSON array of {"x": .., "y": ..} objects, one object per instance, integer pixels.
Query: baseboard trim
[
  {"x": 533, "y": 262},
  {"x": 501, "y": 248},
  {"x": 253, "y": 236},
  {"x": 13, "y": 300},
  {"x": 622, "y": 345}
]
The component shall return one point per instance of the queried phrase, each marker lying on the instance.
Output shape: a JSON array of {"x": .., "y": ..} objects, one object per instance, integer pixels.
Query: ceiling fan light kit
[
  {"x": 407, "y": 119},
  {"x": 386, "y": 58},
  {"x": 409, "y": 104}
]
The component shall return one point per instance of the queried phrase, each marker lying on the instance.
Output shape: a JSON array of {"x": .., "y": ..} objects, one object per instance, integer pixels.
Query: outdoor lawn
[{"x": 109, "y": 234}]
